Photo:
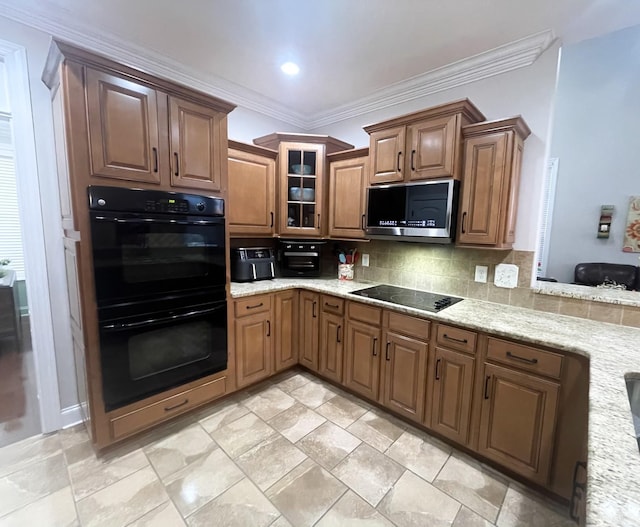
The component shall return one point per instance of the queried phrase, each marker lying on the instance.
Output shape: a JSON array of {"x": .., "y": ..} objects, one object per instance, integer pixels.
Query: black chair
[{"x": 598, "y": 273}]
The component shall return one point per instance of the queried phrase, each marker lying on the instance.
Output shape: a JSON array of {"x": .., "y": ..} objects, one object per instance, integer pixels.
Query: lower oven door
[{"x": 148, "y": 354}]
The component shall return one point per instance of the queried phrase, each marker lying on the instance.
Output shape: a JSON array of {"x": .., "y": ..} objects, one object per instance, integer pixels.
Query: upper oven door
[{"x": 139, "y": 256}]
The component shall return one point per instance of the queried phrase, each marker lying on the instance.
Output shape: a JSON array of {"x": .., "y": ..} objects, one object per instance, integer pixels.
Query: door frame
[{"x": 32, "y": 227}]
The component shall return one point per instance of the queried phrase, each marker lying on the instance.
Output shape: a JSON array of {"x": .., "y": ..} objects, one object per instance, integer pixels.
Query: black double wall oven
[{"x": 159, "y": 269}]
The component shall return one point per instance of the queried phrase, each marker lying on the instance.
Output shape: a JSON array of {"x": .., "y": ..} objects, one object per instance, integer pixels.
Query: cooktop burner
[{"x": 408, "y": 297}]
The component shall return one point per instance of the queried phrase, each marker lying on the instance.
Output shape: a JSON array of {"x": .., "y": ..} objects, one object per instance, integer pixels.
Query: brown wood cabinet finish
[
  {"x": 254, "y": 360},
  {"x": 387, "y": 164},
  {"x": 362, "y": 358},
  {"x": 252, "y": 190},
  {"x": 518, "y": 420},
  {"x": 434, "y": 149},
  {"x": 309, "y": 329},
  {"x": 488, "y": 204},
  {"x": 331, "y": 344},
  {"x": 285, "y": 329}
]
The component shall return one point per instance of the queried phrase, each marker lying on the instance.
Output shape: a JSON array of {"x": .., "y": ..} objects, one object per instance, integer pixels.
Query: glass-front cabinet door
[{"x": 302, "y": 179}]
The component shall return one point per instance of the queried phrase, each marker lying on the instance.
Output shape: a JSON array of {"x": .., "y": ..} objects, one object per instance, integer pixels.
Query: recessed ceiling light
[{"x": 290, "y": 68}]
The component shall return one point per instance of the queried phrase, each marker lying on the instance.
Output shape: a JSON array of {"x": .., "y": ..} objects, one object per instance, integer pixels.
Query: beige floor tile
[
  {"x": 377, "y": 430},
  {"x": 201, "y": 481},
  {"x": 369, "y": 473},
  {"x": 473, "y": 486},
  {"x": 79, "y": 452},
  {"x": 281, "y": 522},
  {"x": 296, "y": 422},
  {"x": 313, "y": 394},
  {"x": 351, "y": 509},
  {"x": 306, "y": 493},
  {"x": 19, "y": 455},
  {"x": 270, "y": 460},
  {"x": 468, "y": 518},
  {"x": 270, "y": 402},
  {"x": 292, "y": 382},
  {"x": 179, "y": 450},
  {"x": 523, "y": 509},
  {"x": 165, "y": 515},
  {"x": 412, "y": 502},
  {"x": 328, "y": 444},
  {"x": 420, "y": 454},
  {"x": 92, "y": 473},
  {"x": 33, "y": 482},
  {"x": 55, "y": 510},
  {"x": 223, "y": 416},
  {"x": 341, "y": 411},
  {"x": 124, "y": 501},
  {"x": 243, "y": 505},
  {"x": 242, "y": 434},
  {"x": 73, "y": 435}
]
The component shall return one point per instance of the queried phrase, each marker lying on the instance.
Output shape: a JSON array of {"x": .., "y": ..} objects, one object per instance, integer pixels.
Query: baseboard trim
[{"x": 71, "y": 416}]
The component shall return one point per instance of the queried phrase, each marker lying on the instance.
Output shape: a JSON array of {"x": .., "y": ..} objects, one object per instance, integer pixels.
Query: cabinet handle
[
  {"x": 521, "y": 359},
  {"x": 155, "y": 159},
  {"x": 256, "y": 306},
  {"x": 169, "y": 408},
  {"x": 177, "y": 170},
  {"x": 318, "y": 226},
  {"x": 313, "y": 311},
  {"x": 268, "y": 328},
  {"x": 338, "y": 335},
  {"x": 375, "y": 341},
  {"x": 334, "y": 306},
  {"x": 438, "y": 369},
  {"x": 461, "y": 341},
  {"x": 399, "y": 154},
  {"x": 413, "y": 155},
  {"x": 386, "y": 351},
  {"x": 486, "y": 386},
  {"x": 363, "y": 222},
  {"x": 464, "y": 216},
  {"x": 271, "y": 218}
]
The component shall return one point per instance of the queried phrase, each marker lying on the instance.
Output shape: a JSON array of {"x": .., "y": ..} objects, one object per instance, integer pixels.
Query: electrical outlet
[
  {"x": 365, "y": 260},
  {"x": 481, "y": 273}
]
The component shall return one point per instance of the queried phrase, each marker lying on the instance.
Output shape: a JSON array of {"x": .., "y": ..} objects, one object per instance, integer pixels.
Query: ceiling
[{"x": 349, "y": 51}]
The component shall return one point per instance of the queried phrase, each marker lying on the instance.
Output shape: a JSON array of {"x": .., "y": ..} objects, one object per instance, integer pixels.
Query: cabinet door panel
[
  {"x": 347, "y": 197},
  {"x": 362, "y": 367},
  {"x": 517, "y": 422},
  {"x": 123, "y": 129},
  {"x": 481, "y": 196},
  {"x": 253, "y": 348},
  {"x": 251, "y": 193},
  {"x": 309, "y": 327},
  {"x": 404, "y": 375},
  {"x": 387, "y": 150},
  {"x": 197, "y": 144},
  {"x": 434, "y": 144},
  {"x": 331, "y": 338},
  {"x": 286, "y": 329},
  {"x": 452, "y": 393}
]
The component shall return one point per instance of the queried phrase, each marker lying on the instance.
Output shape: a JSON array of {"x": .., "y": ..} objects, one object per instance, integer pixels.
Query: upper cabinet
[
  {"x": 492, "y": 163},
  {"x": 252, "y": 190},
  {"x": 421, "y": 145},
  {"x": 302, "y": 180}
]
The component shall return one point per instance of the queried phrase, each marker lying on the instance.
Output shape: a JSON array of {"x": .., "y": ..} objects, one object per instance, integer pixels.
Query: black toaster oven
[{"x": 300, "y": 258}]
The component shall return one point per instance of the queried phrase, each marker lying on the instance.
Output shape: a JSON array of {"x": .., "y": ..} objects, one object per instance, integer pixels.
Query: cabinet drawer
[
  {"x": 457, "y": 339},
  {"x": 252, "y": 305},
  {"x": 406, "y": 325},
  {"x": 525, "y": 357},
  {"x": 364, "y": 313},
  {"x": 166, "y": 408},
  {"x": 332, "y": 304}
]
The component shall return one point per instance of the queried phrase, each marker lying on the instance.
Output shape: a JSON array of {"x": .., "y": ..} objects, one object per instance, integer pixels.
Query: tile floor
[{"x": 290, "y": 452}]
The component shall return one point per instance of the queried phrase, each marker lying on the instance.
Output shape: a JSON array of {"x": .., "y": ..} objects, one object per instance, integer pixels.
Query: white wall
[
  {"x": 595, "y": 137},
  {"x": 526, "y": 91},
  {"x": 245, "y": 125}
]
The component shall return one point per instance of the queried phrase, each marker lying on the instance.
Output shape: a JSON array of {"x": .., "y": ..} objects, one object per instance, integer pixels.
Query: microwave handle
[
  {"x": 154, "y": 321},
  {"x": 154, "y": 220}
]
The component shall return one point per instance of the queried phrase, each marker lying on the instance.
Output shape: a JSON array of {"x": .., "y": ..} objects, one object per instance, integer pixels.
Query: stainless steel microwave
[{"x": 425, "y": 211}]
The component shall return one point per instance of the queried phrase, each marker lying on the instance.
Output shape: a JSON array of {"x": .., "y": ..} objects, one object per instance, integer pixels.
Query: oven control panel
[{"x": 169, "y": 205}]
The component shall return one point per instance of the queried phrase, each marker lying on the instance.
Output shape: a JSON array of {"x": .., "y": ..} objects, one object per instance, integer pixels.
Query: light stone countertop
[
  {"x": 584, "y": 292},
  {"x": 613, "y": 497}
]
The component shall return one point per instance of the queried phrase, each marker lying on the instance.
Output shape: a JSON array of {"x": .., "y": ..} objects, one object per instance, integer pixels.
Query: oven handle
[
  {"x": 153, "y": 220},
  {"x": 154, "y": 321}
]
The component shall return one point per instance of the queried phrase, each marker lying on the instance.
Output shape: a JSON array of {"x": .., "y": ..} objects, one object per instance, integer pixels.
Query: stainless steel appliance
[
  {"x": 300, "y": 258},
  {"x": 419, "y": 212},
  {"x": 408, "y": 297},
  {"x": 159, "y": 270},
  {"x": 249, "y": 264}
]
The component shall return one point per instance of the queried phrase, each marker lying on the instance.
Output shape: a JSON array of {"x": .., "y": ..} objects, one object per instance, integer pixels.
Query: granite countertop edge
[
  {"x": 593, "y": 294},
  {"x": 613, "y": 497}
]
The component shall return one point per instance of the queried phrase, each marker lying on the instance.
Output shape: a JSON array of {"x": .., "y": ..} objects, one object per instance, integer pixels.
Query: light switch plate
[
  {"x": 506, "y": 275},
  {"x": 365, "y": 260},
  {"x": 481, "y": 273}
]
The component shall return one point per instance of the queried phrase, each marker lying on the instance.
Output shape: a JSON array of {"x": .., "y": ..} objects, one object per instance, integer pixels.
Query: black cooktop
[{"x": 408, "y": 297}]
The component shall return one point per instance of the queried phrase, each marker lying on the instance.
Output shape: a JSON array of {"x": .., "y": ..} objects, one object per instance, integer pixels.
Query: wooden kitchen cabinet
[
  {"x": 348, "y": 178},
  {"x": 420, "y": 145},
  {"x": 252, "y": 190},
  {"x": 331, "y": 344},
  {"x": 253, "y": 339},
  {"x": 362, "y": 349},
  {"x": 285, "y": 329},
  {"x": 492, "y": 164},
  {"x": 309, "y": 329}
]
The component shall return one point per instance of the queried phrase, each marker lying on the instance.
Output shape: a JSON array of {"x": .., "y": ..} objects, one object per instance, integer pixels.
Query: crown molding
[{"x": 511, "y": 56}]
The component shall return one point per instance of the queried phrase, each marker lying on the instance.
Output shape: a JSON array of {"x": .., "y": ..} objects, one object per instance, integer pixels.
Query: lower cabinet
[
  {"x": 285, "y": 349},
  {"x": 253, "y": 336},
  {"x": 309, "y": 329},
  {"x": 331, "y": 338},
  {"x": 362, "y": 351}
]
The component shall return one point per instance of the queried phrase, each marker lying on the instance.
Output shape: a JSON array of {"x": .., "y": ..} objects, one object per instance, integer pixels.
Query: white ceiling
[{"x": 348, "y": 50}]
